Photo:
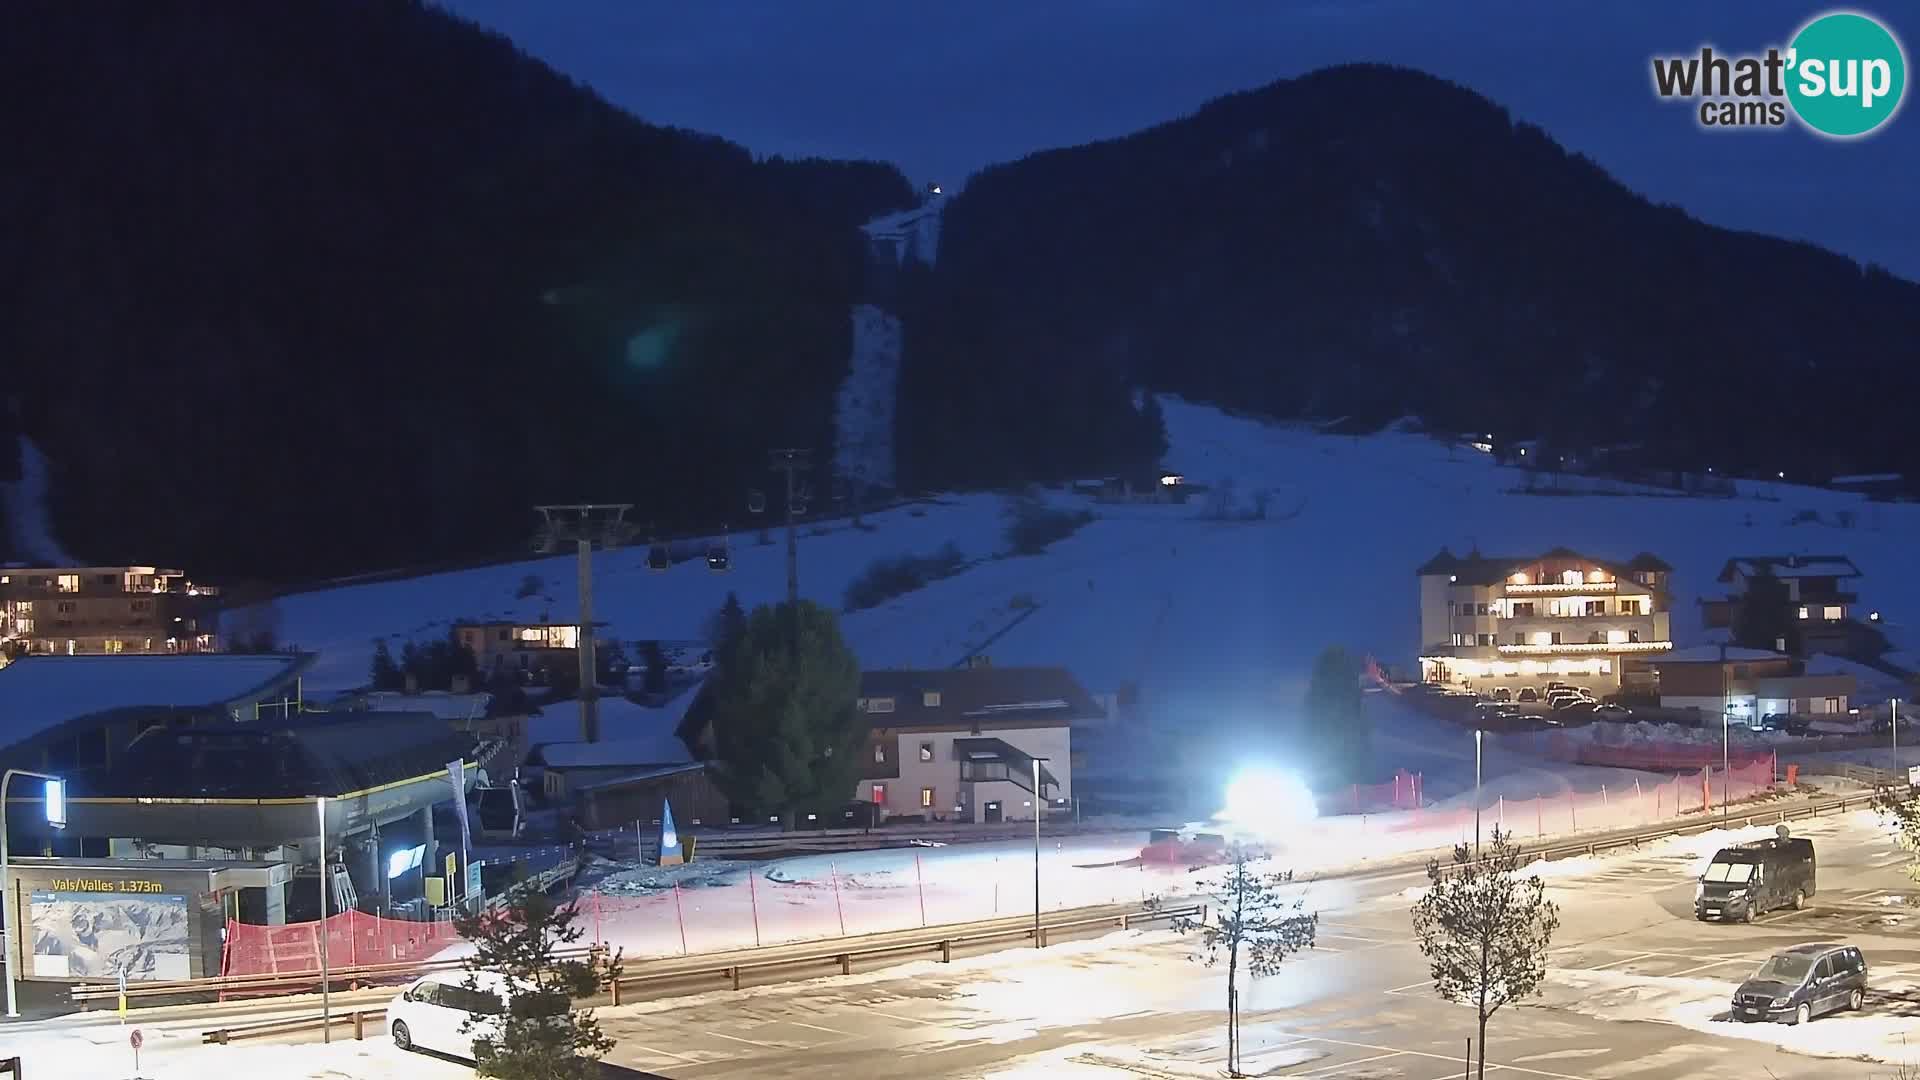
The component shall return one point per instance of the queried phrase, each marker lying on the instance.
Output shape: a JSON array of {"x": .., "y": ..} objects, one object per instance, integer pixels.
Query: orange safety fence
[
  {"x": 1624, "y": 807},
  {"x": 353, "y": 938}
]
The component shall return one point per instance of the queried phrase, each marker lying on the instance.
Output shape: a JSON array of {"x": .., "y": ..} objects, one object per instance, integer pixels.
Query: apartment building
[
  {"x": 963, "y": 744},
  {"x": 104, "y": 610},
  {"x": 1525, "y": 621}
]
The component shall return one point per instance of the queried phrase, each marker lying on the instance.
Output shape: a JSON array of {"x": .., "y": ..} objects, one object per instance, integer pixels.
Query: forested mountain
[
  {"x": 331, "y": 285},
  {"x": 1372, "y": 242},
  {"x": 325, "y": 285}
]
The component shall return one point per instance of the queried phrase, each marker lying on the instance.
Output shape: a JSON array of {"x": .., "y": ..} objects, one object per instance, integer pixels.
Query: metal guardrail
[
  {"x": 269, "y": 1028},
  {"x": 1702, "y": 824},
  {"x": 936, "y": 941},
  {"x": 87, "y": 993}
]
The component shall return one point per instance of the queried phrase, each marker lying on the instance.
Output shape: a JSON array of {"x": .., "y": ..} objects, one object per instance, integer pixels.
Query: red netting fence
[{"x": 353, "y": 938}]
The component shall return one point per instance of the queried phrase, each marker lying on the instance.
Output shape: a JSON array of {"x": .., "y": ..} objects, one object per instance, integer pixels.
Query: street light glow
[{"x": 1268, "y": 801}]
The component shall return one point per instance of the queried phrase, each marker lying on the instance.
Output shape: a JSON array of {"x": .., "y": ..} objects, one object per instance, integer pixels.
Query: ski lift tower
[
  {"x": 792, "y": 462},
  {"x": 584, "y": 525}
]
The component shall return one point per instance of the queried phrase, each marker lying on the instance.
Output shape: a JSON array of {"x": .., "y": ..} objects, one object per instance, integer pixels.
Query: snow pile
[
  {"x": 1701, "y": 1005},
  {"x": 1610, "y": 733}
]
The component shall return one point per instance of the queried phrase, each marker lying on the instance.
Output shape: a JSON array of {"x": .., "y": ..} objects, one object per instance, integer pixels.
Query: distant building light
[
  {"x": 1451, "y": 578},
  {"x": 1172, "y": 480},
  {"x": 1782, "y": 475},
  {"x": 1873, "y": 616}
]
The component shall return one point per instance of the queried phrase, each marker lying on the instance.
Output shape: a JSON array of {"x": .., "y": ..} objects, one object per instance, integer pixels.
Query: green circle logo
[{"x": 1846, "y": 74}]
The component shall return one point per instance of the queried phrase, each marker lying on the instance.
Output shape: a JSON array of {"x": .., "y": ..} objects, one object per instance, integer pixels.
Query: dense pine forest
[{"x": 333, "y": 285}]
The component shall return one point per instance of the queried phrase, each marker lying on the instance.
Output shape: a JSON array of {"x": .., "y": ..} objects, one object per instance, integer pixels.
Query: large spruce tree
[{"x": 785, "y": 727}]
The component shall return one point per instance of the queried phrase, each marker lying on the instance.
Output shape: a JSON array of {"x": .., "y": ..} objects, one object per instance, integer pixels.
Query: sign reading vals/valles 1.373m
[
  {"x": 1842, "y": 75},
  {"x": 104, "y": 885}
]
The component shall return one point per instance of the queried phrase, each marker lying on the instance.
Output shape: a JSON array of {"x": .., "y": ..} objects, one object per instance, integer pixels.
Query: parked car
[
  {"x": 1803, "y": 982},
  {"x": 1503, "y": 693},
  {"x": 1560, "y": 699},
  {"x": 1527, "y": 693},
  {"x": 1575, "y": 714},
  {"x": 1497, "y": 716},
  {"x": 1787, "y": 722},
  {"x": 430, "y": 1013},
  {"x": 1751, "y": 879}
]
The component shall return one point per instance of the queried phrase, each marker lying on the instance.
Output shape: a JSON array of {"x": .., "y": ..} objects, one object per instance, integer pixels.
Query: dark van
[
  {"x": 1751, "y": 879},
  {"x": 1803, "y": 982}
]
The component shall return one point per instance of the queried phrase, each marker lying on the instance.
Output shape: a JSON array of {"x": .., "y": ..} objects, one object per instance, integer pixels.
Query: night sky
[{"x": 942, "y": 89}]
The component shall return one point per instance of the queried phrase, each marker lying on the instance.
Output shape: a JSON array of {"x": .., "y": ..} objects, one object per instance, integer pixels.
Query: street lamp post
[
  {"x": 1477, "y": 733},
  {"x": 326, "y": 983},
  {"x": 1727, "y": 736},
  {"x": 1037, "y": 811},
  {"x": 13, "y": 923}
]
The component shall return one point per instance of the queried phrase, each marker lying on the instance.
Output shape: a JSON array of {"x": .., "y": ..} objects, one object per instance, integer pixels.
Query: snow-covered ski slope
[{"x": 1203, "y": 614}]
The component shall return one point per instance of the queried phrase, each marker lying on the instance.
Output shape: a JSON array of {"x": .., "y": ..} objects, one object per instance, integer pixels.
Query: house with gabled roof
[
  {"x": 967, "y": 744},
  {"x": 1820, "y": 596}
]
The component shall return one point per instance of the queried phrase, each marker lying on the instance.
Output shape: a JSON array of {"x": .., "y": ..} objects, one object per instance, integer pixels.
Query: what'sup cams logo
[{"x": 1842, "y": 76}]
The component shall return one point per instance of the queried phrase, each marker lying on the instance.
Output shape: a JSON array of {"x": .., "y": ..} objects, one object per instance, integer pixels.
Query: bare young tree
[
  {"x": 1485, "y": 930},
  {"x": 1899, "y": 810},
  {"x": 1252, "y": 924}
]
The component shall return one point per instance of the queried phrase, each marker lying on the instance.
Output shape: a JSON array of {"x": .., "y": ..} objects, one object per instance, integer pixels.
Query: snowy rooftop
[
  {"x": 631, "y": 733},
  {"x": 617, "y": 753},
  {"x": 39, "y": 692},
  {"x": 1790, "y": 566},
  {"x": 446, "y": 706}
]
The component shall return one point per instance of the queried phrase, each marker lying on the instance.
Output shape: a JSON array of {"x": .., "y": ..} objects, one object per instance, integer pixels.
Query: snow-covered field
[{"x": 1207, "y": 616}]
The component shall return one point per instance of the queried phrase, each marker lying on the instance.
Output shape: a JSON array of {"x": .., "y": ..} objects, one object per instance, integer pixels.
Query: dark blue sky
[{"x": 942, "y": 89}]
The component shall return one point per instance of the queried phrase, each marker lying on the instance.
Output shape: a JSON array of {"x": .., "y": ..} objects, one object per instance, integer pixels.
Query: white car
[{"x": 430, "y": 1013}]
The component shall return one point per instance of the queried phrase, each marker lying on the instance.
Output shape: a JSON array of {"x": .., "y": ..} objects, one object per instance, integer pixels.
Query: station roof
[
  {"x": 330, "y": 754},
  {"x": 39, "y": 693}
]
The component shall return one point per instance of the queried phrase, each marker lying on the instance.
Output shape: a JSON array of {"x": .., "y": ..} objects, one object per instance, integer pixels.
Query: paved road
[{"x": 1358, "y": 1006}]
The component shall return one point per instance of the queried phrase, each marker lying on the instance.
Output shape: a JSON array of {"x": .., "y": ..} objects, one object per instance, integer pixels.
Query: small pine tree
[
  {"x": 543, "y": 1034},
  {"x": 1337, "y": 738},
  {"x": 1255, "y": 924},
  {"x": 727, "y": 626},
  {"x": 655, "y": 660},
  {"x": 1764, "y": 616},
  {"x": 385, "y": 674},
  {"x": 1485, "y": 930}
]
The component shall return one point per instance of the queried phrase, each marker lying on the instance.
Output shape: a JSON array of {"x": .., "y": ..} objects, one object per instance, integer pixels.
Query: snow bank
[
  {"x": 1610, "y": 733},
  {"x": 1701, "y": 1005}
]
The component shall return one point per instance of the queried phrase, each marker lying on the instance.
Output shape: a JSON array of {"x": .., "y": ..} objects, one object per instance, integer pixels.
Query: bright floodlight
[{"x": 1268, "y": 801}]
